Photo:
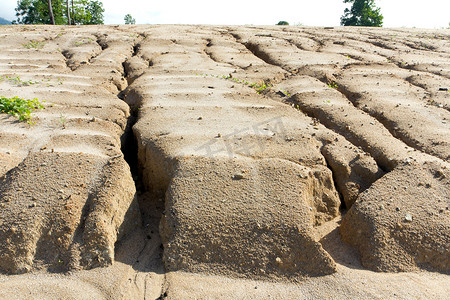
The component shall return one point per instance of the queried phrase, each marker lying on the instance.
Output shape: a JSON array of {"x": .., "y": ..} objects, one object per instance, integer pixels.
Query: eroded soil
[{"x": 225, "y": 162}]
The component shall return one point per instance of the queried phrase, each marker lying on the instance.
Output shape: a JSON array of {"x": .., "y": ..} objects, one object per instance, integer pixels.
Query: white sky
[{"x": 397, "y": 13}]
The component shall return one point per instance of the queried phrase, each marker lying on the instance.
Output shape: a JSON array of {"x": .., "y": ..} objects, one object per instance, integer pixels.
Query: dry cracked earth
[{"x": 225, "y": 162}]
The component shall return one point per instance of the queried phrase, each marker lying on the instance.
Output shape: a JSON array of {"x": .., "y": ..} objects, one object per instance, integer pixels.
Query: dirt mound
[
  {"x": 66, "y": 193},
  {"x": 243, "y": 220},
  {"x": 402, "y": 221},
  {"x": 57, "y": 210}
]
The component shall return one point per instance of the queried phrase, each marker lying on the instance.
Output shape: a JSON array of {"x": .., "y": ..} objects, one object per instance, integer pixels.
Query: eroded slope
[
  {"x": 66, "y": 192},
  {"x": 257, "y": 139}
]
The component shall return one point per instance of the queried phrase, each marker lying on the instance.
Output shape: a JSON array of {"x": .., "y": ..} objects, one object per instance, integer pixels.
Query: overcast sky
[{"x": 397, "y": 13}]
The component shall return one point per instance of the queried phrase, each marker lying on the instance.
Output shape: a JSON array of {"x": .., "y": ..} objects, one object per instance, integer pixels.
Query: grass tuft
[
  {"x": 259, "y": 86},
  {"x": 34, "y": 45}
]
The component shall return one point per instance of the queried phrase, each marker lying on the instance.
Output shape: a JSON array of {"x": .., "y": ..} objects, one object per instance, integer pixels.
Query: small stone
[
  {"x": 238, "y": 176},
  {"x": 408, "y": 217},
  {"x": 278, "y": 260}
]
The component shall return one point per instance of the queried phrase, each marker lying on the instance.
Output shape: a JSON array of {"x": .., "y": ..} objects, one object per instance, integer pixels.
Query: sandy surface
[{"x": 158, "y": 171}]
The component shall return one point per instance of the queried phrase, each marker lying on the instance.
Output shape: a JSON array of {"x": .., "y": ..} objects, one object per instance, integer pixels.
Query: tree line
[
  {"x": 362, "y": 13},
  {"x": 59, "y": 12},
  {"x": 85, "y": 12}
]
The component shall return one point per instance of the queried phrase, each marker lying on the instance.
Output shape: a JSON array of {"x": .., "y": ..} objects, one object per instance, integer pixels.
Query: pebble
[
  {"x": 408, "y": 217},
  {"x": 238, "y": 176}
]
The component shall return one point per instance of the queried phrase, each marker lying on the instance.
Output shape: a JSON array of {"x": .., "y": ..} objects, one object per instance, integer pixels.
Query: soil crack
[{"x": 148, "y": 262}]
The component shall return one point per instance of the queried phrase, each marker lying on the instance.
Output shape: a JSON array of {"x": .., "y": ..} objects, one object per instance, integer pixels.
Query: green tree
[
  {"x": 283, "y": 23},
  {"x": 37, "y": 12},
  {"x": 87, "y": 12},
  {"x": 129, "y": 19},
  {"x": 362, "y": 13},
  {"x": 26, "y": 13},
  {"x": 95, "y": 12},
  {"x": 79, "y": 13}
]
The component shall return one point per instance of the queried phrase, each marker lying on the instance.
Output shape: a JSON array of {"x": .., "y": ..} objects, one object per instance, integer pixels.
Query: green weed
[
  {"x": 83, "y": 41},
  {"x": 286, "y": 94},
  {"x": 34, "y": 45},
  {"x": 63, "y": 120},
  {"x": 259, "y": 86},
  {"x": 17, "y": 81},
  {"x": 21, "y": 108},
  {"x": 333, "y": 85}
]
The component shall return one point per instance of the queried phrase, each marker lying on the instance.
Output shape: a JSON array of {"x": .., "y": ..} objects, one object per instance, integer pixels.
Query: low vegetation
[
  {"x": 259, "y": 86},
  {"x": 34, "y": 45},
  {"x": 20, "y": 108},
  {"x": 20, "y": 82}
]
